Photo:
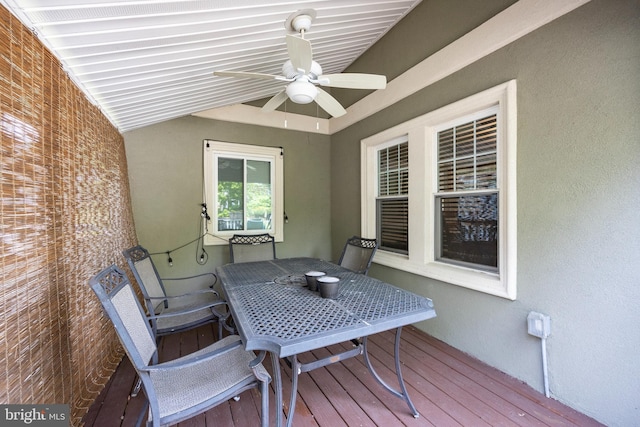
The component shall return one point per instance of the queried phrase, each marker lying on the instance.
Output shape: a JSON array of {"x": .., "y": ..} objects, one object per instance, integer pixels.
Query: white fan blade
[
  {"x": 353, "y": 81},
  {"x": 247, "y": 75},
  {"x": 276, "y": 101},
  {"x": 329, "y": 104},
  {"x": 299, "y": 53}
]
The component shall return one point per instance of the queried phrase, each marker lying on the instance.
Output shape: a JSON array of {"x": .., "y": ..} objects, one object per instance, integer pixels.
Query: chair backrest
[
  {"x": 122, "y": 307},
  {"x": 147, "y": 277},
  {"x": 254, "y": 247},
  {"x": 358, "y": 253}
]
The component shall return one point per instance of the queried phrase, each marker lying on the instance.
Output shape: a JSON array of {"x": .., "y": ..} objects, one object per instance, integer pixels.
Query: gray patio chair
[
  {"x": 182, "y": 388},
  {"x": 183, "y": 312},
  {"x": 357, "y": 254},
  {"x": 251, "y": 247}
]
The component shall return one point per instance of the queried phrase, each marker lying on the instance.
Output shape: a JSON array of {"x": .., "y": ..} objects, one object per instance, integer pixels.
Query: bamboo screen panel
[{"x": 65, "y": 215}]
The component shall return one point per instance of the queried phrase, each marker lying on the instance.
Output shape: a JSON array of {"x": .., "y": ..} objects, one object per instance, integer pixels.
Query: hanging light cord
[{"x": 204, "y": 256}]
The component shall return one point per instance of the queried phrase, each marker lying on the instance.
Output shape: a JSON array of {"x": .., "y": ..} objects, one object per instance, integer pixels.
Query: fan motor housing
[{"x": 290, "y": 72}]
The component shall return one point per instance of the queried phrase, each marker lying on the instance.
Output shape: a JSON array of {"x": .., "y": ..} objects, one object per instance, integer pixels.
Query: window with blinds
[
  {"x": 467, "y": 196},
  {"x": 392, "y": 204},
  {"x": 453, "y": 216}
]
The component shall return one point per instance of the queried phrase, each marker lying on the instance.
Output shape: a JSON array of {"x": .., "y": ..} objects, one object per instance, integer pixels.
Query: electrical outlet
[{"x": 538, "y": 325}]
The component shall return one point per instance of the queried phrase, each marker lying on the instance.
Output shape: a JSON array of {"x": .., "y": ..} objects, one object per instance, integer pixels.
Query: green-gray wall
[
  {"x": 578, "y": 203},
  {"x": 165, "y": 172},
  {"x": 578, "y": 194}
]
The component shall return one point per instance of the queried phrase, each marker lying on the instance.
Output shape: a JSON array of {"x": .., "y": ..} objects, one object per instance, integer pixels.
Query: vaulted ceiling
[{"x": 143, "y": 62}]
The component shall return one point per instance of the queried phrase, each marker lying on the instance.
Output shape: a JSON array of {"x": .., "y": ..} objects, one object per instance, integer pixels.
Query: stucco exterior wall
[
  {"x": 165, "y": 171},
  {"x": 578, "y": 199}
]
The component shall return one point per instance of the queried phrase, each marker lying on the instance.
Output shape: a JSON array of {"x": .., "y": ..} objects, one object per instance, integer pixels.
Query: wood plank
[
  {"x": 464, "y": 392},
  {"x": 447, "y": 386},
  {"x": 245, "y": 411},
  {"x": 188, "y": 342},
  {"x": 308, "y": 394},
  {"x": 420, "y": 388},
  {"x": 114, "y": 402},
  {"x": 348, "y": 411},
  {"x": 510, "y": 389},
  {"x": 93, "y": 413},
  {"x": 522, "y": 404},
  {"x": 169, "y": 347},
  {"x": 134, "y": 409},
  {"x": 220, "y": 415},
  {"x": 367, "y": 400},
  {"x": 430, "y": 414},
  {"x": 196, "y": 421},
  {"x": 206, "y": 335}
]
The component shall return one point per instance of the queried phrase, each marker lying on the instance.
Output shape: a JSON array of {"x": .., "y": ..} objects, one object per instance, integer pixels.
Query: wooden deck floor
[{"x": 448, "y": 388}]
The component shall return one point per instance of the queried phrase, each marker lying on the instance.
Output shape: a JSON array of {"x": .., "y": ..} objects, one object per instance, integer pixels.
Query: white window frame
[
  {"x": 422, "y": 136},
  {"x": 214, "y": 149}
]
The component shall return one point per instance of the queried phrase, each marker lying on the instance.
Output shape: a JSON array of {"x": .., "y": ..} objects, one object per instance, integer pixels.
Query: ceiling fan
[{"x": 304, "y": 74}]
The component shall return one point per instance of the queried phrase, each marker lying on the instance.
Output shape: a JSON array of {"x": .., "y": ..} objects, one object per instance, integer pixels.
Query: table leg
[
  {"x": 297, "y": 368},
  {"x": 277, "y": 382},
  {"x": 403, "y": 389},
  {"x": 295, "y": 371}
]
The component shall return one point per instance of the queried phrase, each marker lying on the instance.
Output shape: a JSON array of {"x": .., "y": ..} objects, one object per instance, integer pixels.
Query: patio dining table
[{"x": 274, "y": 311}]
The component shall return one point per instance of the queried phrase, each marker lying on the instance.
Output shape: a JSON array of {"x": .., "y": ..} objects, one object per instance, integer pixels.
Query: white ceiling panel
[{"x": 147, "y": 61}]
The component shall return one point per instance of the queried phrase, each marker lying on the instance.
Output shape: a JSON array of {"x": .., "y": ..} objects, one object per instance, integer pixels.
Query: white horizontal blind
[
  {"x": 393, "y": 200},
  {"x": 467, "y": 193},
  {"x": 467, "y": 156}
]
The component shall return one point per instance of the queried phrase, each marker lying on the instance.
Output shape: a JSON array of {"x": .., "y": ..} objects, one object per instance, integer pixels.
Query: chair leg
[
  {"x": 264, "y": 397},
  {"x": 145, "y": 410},
  {"x": 232, "y": 325},
  {"x": 220, "y": 329},
  {"x": 228, "y": 324}
]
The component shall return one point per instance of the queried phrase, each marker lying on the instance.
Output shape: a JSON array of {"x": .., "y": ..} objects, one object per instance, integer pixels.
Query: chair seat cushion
[
  {"x": 180, "y": 389},
  {"x": 167, "y": 325}
]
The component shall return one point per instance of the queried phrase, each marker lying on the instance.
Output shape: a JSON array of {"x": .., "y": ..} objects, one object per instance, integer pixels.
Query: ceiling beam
[{"x": 509, "y": 25}]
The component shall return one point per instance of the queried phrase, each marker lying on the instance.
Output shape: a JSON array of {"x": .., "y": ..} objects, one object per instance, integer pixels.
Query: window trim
[
  {"x": 422, "y": 187},
  {"x": 211, "y": 149}
]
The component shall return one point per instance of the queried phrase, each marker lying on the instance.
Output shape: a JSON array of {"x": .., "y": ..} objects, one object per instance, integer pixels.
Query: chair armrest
[
  {"x": 193, "y": 309},
  {"x": 214, "y": 277},
  {"x": 191, "y": 283},
  {"x": 198, "y": 356},
  {"x": 258, "y": 369},
  {"x": 197, "y": 292}
]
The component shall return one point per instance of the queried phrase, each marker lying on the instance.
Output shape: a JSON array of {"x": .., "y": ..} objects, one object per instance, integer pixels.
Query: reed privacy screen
[{"x": 65, "y": 214}]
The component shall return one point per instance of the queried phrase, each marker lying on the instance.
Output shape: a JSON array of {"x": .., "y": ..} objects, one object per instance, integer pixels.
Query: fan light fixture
[{"x": 301, "y": 92}]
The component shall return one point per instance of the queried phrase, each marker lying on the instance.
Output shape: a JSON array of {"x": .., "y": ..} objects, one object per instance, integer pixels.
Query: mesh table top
[{"x": 275, "y": 311}]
